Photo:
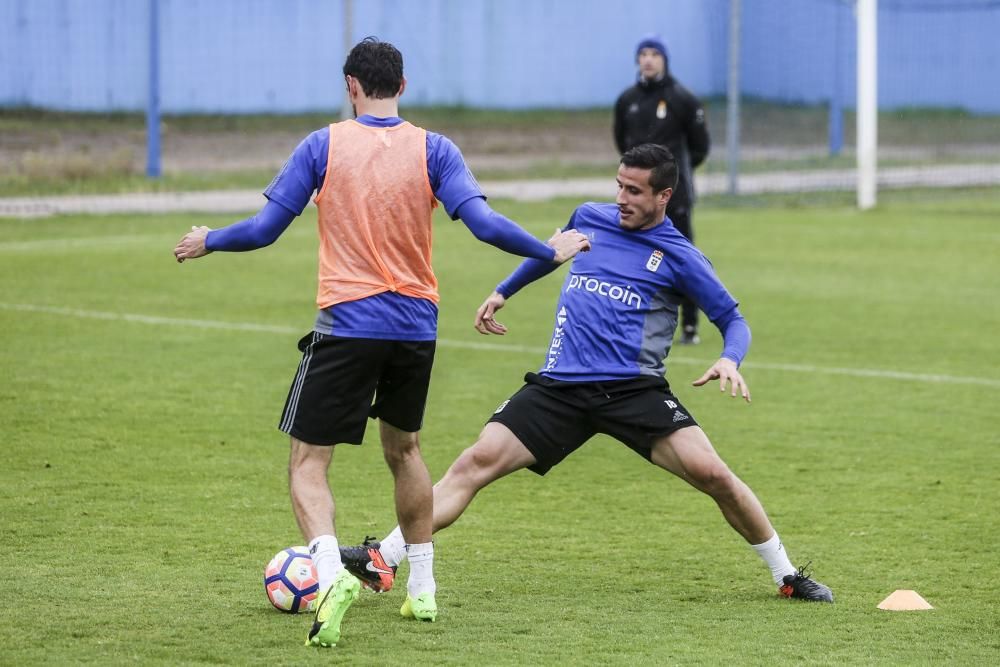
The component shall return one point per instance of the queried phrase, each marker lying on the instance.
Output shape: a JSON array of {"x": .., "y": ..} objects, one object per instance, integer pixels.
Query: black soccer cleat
[
  {"x": 689, "y": 335},
  {"x": 366, "y": 563},
  {"x": 800, "y": 586}
]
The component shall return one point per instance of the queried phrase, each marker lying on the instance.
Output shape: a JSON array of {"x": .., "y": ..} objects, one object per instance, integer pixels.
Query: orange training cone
[{"x": 904, "y": 601}]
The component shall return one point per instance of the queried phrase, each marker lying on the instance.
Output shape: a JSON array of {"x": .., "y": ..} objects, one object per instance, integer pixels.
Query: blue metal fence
[{"x": 285, "y": 55}]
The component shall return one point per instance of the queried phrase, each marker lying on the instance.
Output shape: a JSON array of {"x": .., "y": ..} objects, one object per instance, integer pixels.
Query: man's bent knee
[
  {"x": 496, "y": 453},
  {"x": 689, "y": 454},
  {"x": 718, "y": 481},
  {"x": 475, "y": 463}
]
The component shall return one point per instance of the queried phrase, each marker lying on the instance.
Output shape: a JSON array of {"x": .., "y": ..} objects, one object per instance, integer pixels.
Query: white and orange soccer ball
[{"x": 290, "y": 580}]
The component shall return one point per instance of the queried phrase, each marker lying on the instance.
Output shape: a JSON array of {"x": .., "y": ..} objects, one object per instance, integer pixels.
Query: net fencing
[
  {"x": 937, "y": 126},
  {"x": 553, "y": 67}
]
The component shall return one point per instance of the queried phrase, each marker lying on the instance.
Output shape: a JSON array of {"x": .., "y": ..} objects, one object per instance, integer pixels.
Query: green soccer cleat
[
  {"x": 333, "y": 603},
  {"x": 423, "y": 607}
]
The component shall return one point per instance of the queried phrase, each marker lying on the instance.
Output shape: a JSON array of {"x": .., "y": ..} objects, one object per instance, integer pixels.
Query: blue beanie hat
[{"x": 652, "y": 42}]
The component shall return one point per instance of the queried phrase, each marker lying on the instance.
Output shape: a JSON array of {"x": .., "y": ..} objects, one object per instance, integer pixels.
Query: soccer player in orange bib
[{"x": 370, "y": 352}]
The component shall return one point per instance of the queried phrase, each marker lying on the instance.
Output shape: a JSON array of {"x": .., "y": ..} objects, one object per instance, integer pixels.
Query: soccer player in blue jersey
[
  {"x": 377, "y": 180},
  {"x": 604, "y": 370}
]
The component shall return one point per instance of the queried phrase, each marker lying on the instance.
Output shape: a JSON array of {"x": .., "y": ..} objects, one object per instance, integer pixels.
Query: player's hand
[
  {"x": 192, "y": 245},
  {"x": 567, "y": 244},
  {"x": 485, "y": 324},
  {"x": 725, "y": 371}
]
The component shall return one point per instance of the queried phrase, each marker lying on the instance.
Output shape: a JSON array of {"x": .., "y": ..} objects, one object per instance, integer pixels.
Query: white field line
[
  {"x": 492, "y": 347},
  {"x": 69, "y": 244}
]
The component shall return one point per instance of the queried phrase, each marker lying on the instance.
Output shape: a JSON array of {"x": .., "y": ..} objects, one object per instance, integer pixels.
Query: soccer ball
[{"x": 290, "y": 580}]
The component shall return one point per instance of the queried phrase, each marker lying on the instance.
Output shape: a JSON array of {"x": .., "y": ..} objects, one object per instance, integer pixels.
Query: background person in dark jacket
[{"x": 659, "y": 110}]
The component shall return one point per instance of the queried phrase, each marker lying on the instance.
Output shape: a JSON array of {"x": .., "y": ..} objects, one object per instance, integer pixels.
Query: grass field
[{"x": 144, "y": 487}]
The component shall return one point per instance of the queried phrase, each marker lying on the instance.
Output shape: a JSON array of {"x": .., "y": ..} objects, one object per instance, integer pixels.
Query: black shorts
[
  {"x": 331, "y": 396},
  {"x": 553, "y": 419}
]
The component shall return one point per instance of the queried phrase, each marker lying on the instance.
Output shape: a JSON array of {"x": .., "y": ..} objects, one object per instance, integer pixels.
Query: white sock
[
  {"x": 773, "y": 553},
  {"x": 421, "y": 557},
  {"x": 325, "y": 554},
  {"x": 393, "y": 548}
]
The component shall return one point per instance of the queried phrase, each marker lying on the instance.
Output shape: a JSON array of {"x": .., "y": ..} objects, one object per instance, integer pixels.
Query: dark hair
[
  {"x": 655, "y": 157},
  {"x": 377, "y": 65}
]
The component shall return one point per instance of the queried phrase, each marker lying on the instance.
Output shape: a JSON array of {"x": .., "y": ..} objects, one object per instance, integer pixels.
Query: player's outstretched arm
[
  {"x": 485, "y": 322},
  {"x": 257, "y": 231},
  {"x": 736, "y": 342},
  {"x": 725, "y": 371},
  {"x": 192, "y": 244},
  {"x": 711, "y": 297},
  {"x": 499, "y": 231},
  {"x": 567, "y": 244}
]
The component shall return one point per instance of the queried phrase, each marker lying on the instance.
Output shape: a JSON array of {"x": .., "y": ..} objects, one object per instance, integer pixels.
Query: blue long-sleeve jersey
[{"x": 617, "y": 311}]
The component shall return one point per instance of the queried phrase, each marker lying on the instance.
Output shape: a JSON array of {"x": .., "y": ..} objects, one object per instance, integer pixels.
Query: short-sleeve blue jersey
[
  {"x": 387, "y": 315},
  {"x": 617, "y": 311}
]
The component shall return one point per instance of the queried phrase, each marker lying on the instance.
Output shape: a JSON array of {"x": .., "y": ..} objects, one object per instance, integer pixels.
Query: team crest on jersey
[
  {"x": 653, "y": 263},
  {"x": 661, "y": 109}
]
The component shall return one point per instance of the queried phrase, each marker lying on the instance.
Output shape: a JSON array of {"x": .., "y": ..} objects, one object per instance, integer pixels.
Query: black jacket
[{"x": 664, "y": 112}]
